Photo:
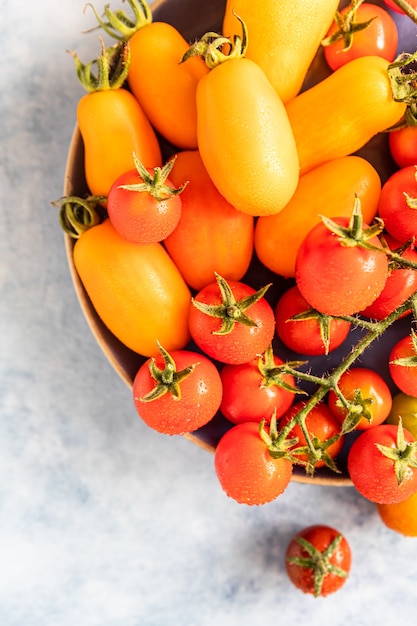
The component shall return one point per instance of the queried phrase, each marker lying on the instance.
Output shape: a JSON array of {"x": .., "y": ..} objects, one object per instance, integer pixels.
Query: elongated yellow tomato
[
  {"x": 245, "y": 139},
  {"x": 136, "y": 290},
  {"x": 283, "y": 36},
  {"x": 113, "y": 126},
  {"x": 340, "y": 114},
  {"x": 327, "y": 190}
]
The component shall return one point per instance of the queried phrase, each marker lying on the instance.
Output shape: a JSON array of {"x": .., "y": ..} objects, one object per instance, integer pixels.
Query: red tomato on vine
[
  {"x": 360, "y": 29},
  {"x": 246, "y": 470},
  {"x": 323, "y": 430},
  {"x": 398, "y": 203},
  {"x": 310, "y": 332},
  {"x": 252, "y": 391},
  {"x": 368, "y": 399},
  {"x": 231, "y": 322},
  {"x": 341, "y": 266},
  {"x": 382, "y": 464},
  {"x": 401, "y": 282},
  {"x": 403, "y": 364}
]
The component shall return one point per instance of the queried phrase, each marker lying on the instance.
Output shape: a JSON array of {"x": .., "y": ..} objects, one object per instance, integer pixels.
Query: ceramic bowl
[{"x": 193, "y": 18}]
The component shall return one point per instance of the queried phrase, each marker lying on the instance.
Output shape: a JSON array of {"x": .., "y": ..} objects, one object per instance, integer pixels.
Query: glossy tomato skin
[
  {"x": 243, "y": 343},
  {"x": 372, "y": 387},
  {"x": 246, "y": 470},
  {"x": 304, "y": 336},
  {"x": 403, "y": 146},
  {"x": 400, "y": 517},
  {"x": 321, "y": 425},
  {"x": 246, "y": 398},
  {"x": 201, "y": 394},
  {"x": 404, "y": 376},
  {"x": 137, "y": 215},
  {"x": 320, "y": 536},
  {"x": 372, "y": 473},
  {"x": 380, "y": 38},
  {"x": 337, "y": 279},
  {"x": 400, "y": 220},
  {"x": 245, "y": 138},
  {"x": 401, "y": 284}
]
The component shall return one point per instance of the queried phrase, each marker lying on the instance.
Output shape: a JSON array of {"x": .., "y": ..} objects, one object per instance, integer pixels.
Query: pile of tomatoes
[{"x": 203, "y": 158}]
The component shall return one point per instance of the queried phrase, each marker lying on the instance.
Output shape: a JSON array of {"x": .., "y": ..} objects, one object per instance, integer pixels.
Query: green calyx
[
  {"x": 112, "y": 67},
  {"x": 347, "y": 27},
  {"x": 168, "y": 379},
  {"x": 230, "y": 311},
  {"x": 118, "y": 25},
  {"x": 404, "y": 454},
  {"x": 273, "y": 374},
  {"x": 215, "y": 49},
  {"x": 358, "y": 408},
  {"x": 156, "y": 184},
  {"x": 403, "y": 79},
  {"x": 76, "y": 215},
  {"x": 354, "y": 234},
  {"x": 323, "y": 320},
  {"x": 319, "y": 562},
  {"x": 408, "y": 361}
]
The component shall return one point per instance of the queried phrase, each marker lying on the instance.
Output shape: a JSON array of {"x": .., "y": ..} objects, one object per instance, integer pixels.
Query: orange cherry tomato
[{"x": 212, "y": 236}]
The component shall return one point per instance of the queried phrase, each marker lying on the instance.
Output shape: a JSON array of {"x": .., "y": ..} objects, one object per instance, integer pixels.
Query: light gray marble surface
[{"x": 102, "y": 521}]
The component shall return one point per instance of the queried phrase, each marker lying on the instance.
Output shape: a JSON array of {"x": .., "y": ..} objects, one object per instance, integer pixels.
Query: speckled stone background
[{"x": 102, "y": 521}]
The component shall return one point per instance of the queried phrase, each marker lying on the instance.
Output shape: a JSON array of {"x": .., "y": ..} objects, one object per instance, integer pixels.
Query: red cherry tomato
[
  {"x": 369, "y": 395},
  {"x": 339, "y": 279},
  {"x": 143, "y": 205},
  {"x": 403, "y": 145},
  {"x": 318, "y": 560},
  {"x": 401, "y": 284},
  {"x": 177, "y": 393},
  {"x": 231, "y": 322},
  {"x": 379, "y": 38},
  {"x": 312, "y": 333},
  {"x": 245, "y": 468},
  {"x": 322, "y": 427},
  {"x": 377, "y": 465},
  {"x": 253, "y": 391},
  {"x": 404, "y": 372},
  {"x": 396, "y": 204}
]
